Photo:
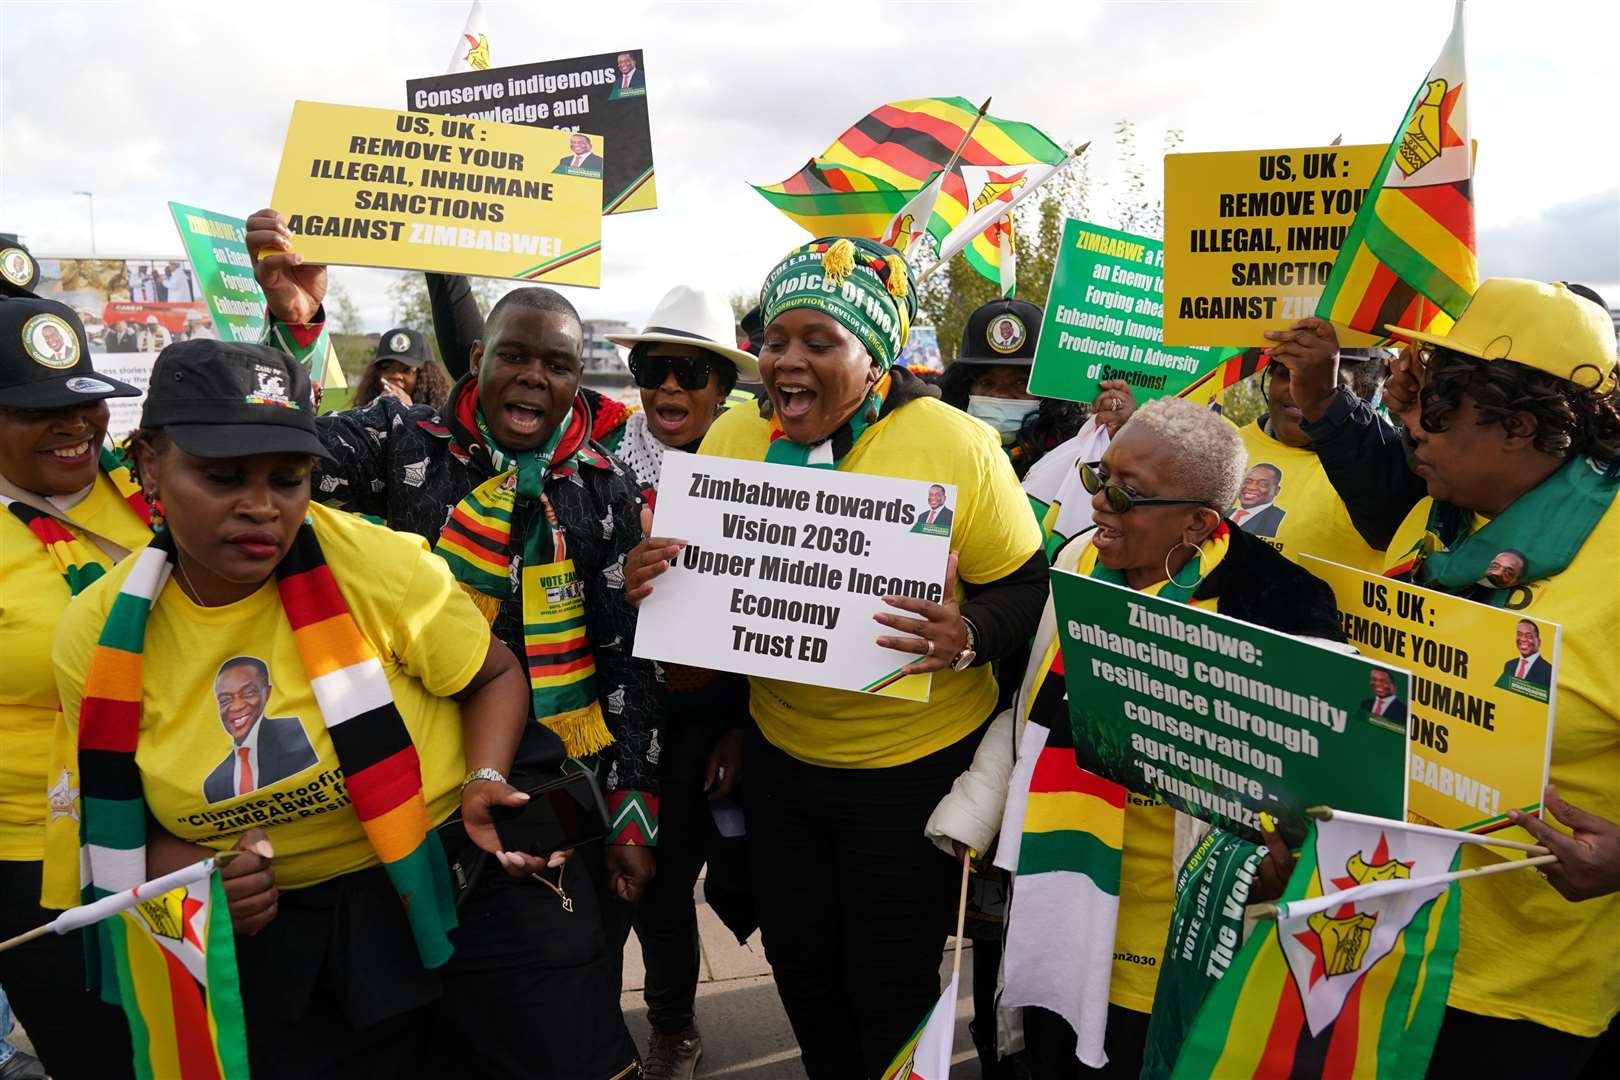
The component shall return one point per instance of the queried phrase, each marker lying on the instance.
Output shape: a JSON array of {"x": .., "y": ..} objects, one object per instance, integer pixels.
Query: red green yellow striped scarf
[
  {"x": 380, "y": 767},
  {"x": 70, "y": 552},
  {"x": 476, "y": 542}
]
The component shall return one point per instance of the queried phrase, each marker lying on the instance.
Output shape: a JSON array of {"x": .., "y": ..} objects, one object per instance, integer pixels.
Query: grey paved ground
[{"x": 745, "y": 1033}]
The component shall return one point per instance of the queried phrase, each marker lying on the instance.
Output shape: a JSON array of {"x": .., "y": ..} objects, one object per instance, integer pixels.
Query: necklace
[
  {"x": 567, "y": 901},
  {"x": 185, "y": 580}
]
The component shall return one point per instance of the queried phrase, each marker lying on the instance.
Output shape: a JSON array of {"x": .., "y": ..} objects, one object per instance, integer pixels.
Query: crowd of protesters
[{"x": 483, "y": 536}]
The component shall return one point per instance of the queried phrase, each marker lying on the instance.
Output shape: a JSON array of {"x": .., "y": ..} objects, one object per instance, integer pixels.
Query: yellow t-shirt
[
  {"x": 33, "y": 595},
  {"x": 993, "y": 534},
  {"x": 1525, "y": 952},
  {"x": 1147, "y": 901},
  {"x": 1301, "y": 513},
  {"x": 200, "y": 664}
]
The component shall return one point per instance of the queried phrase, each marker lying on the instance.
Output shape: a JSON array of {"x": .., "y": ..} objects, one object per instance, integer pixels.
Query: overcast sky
[{"x": 149, "y": 101}]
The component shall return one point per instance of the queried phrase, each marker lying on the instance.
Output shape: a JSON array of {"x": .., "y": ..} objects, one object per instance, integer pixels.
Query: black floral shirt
[{"x": 409, "y": 465}]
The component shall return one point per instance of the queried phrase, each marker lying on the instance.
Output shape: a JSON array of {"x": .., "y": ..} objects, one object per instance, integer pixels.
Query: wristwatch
[
  {"x": 964, "y": 659},
  {"x": 483, "y": 774}
]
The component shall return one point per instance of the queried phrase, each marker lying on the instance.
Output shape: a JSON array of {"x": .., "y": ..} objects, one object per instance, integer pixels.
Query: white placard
[
  {"x": 785, "y": 567},
  {"x": 132, "y": 368}
]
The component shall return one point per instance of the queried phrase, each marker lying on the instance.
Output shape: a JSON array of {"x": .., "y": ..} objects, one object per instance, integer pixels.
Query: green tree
[
  {"x": 342, "y": 313},
  {"x": 411, "y": 308}
]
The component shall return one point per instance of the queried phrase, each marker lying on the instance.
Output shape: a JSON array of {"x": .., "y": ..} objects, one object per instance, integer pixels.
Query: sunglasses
[
  {"x": 1121, "y": 500},
  {"x": 691, "y": 372}
]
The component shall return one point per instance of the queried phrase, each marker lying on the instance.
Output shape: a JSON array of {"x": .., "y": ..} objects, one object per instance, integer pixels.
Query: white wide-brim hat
[{"x": 698, "y": 317}]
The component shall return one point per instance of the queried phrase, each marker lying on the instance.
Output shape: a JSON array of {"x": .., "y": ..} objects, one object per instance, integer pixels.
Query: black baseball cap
[
  {"x": 225, "y": 399},
  {"x": 402, "y": 344},
  {"x": 45, "y": 357},
  {"x": 19, "y": 270},
  {"x": 1001, "y": 332}
]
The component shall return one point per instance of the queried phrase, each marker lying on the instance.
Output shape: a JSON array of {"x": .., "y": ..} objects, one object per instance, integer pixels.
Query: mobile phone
[{"x": 563, "y": 812}]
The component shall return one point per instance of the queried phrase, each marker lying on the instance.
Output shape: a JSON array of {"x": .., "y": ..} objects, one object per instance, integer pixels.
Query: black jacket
[
  {"x": 1365, "y": 461},
  {"x": 1257, "y": 585},
  {"x": 409, "y": 465}
]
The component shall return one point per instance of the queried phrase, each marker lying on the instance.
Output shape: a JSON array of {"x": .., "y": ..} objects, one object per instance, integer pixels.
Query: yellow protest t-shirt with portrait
[
  {"x": 33, "y": 595},
  {"x": 992, "y": 533},
  {"x": 1525, "y": 952},
  {"x": 1288, "y": 500},
  {"x": 223, "y": 680}
]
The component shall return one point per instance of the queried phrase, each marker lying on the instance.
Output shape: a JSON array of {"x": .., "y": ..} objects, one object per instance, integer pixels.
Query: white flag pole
[
  {"x": 961, "y": 914},
  {"x": 108, "y": 906},
  {"x": 1396, "y": 886},
  {"x": 1024, "y": 193},
  {"x": 1327, "y": 813}
]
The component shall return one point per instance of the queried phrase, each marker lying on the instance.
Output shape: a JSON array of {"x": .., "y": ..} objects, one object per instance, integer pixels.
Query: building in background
[{"x": 605, "y": 368}]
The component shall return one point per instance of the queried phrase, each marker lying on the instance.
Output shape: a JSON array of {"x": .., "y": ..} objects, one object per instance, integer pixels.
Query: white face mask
[{"x": 1006, "y": 415}]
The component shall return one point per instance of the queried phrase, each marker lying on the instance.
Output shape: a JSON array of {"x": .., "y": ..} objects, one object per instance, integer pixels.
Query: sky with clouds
[{"x": 144, "y": 102}]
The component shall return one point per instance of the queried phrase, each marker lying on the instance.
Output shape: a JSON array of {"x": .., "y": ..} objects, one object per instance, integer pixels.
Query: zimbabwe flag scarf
[
  {"x": 1547, "y": 524},
  {"x": 476, "y": 542},
  {"x": 80, "y": 569},
  {"x": 380, "y": 767}
]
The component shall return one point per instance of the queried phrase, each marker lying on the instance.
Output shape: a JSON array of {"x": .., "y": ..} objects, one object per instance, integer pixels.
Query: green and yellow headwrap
[{"x": 863, "y": 284}]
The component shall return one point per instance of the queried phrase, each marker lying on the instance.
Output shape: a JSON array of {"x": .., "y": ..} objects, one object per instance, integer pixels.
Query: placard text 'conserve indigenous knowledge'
[
  {"x": 784, "y": 568},
  {"x": 1250, "y": 237},
  {"x": 602, "y": 95},
  {"x": 1222, "y": 719},
  {"x": 376, "y": 187},
  {"x": 1104, "y": 320}
]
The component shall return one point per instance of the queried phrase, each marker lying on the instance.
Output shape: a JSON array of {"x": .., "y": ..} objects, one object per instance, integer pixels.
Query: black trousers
[
  {"x": 75, "y": 1033},
  {"x": 333, "y": 986},
  {"x": 1049, "y": 1044},
  {"x": 1473, "y": 1045},
  {"x": 666, "y": 919},
  {"x": 854, "y": 903}
]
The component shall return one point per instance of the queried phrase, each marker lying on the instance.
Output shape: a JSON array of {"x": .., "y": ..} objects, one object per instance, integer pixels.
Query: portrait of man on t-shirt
[
  {"x": 1256, "y": 513},
  {"x": 264, "y": 749}
]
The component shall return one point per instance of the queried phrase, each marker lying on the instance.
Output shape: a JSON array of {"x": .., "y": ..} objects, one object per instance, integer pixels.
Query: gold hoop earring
[{"x": 1170, "y": 576}]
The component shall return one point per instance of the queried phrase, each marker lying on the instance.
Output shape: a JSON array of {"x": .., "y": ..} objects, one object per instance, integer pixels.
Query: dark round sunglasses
[
  {"x": 691, "y": 372},
  {"x": 1120, "y": 500}
]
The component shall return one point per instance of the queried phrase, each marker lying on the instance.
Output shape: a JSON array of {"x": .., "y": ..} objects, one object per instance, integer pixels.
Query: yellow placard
[
  {"x": 1250, "y": 237},
  {"x": 376, "y": 187},
  {"x": 1480, "y": 719}
]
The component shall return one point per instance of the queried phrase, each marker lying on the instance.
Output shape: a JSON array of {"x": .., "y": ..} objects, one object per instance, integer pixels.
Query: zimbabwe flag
[
  {"x": 835, "y": 200},
  {"x": 857, "y": 185},
  {"x": 1338, "y": 990},
  {"x": 1062, "y": 836},
  {"x": 1409, "y": 259},
  {"x": 175, "y": 959},
  {"x": 1233, "y": 365}
]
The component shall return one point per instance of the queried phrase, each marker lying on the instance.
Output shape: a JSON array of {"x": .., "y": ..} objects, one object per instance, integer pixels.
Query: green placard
[
  {"x": 224, "y": 270},
  {"x": 1222, "y": 719},
  {"x": 1104, "y": 320}
]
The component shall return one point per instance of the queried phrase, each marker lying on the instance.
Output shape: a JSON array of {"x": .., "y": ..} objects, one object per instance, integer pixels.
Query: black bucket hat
[
  {"x": 219, "y": 399},
  {"x": 45, "y": 358}
]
